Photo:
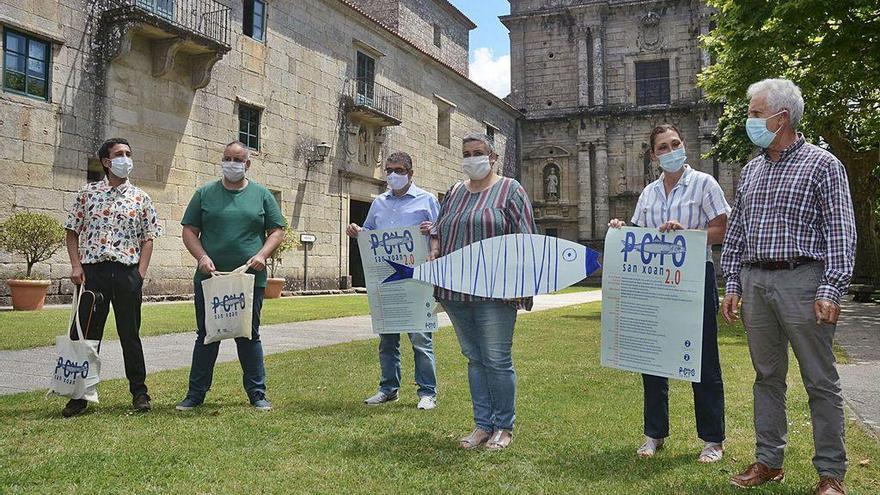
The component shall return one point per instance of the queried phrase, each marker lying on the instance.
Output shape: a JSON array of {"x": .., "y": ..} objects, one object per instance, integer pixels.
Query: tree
[
  {"x": 36, "y": 236},
  {"x": 830, "y": 50}
]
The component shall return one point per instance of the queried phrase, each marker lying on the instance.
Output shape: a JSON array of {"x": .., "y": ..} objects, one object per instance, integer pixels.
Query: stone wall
[
  {"x": 300, "y": 78},
  {"x": 415, "y": 21}
]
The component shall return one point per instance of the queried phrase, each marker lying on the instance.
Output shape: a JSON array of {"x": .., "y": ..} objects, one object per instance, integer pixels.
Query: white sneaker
[
  {"x": 380, "y": 398},
  {"x": 428, "y": 402},
  {"x": 650, "y": 447},
  {"x": 712, "y": 452}
]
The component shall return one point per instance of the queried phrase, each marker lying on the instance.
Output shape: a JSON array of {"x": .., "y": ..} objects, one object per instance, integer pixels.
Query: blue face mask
[
  {"x": 673, "y": 161},
  {"x": 756, "y": 128}
]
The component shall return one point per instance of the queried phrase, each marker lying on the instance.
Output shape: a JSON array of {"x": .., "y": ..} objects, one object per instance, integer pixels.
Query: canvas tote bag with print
[
  {"x": 229, "y": 297},
  {"x": 77, "y": 365}
]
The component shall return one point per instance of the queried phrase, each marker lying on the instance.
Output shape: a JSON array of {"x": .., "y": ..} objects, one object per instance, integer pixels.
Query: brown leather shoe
[
  {"x": 757, "y": 474},
  {"x": 830, "y": 486}
]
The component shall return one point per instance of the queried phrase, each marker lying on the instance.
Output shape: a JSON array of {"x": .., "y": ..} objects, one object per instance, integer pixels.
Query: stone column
[
  {"x": 598, "y": 65},
  {"x": 583, "y": 64},
  {"x": 600, "y": 173},
  {"x": 585, "y": 192},
  {"x": 706, "y": 147},
  {"x": 518, "y": 62}
]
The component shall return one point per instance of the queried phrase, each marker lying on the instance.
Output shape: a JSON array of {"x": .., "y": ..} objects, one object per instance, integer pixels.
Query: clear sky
[{"x": 489, "y": 44}]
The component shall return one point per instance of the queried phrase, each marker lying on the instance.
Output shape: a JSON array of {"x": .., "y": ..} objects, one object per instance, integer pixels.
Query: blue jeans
[
  {"x": 423, "y": 355},
  {"x": 708, "y": 393},
  {"x": 485, "y": 334},
  {"x": 250, "y": 354}
]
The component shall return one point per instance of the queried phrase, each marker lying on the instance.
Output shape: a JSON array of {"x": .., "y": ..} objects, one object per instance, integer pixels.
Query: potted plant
[
  {"x": 275, "y": 285},
  {"x": 36, "y": 236}
]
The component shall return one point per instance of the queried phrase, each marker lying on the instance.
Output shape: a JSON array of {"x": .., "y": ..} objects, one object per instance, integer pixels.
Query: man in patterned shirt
[
  {"x": 789, "y": 254},
  {"x": 110, "y": 232}
]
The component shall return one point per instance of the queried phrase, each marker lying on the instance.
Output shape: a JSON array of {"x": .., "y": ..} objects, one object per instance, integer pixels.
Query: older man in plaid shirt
[{"x": 789, "y": 254}]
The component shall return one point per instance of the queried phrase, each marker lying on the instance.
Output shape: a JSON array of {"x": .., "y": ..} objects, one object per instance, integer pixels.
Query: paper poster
[
  {"x": 402, "y": 306},
  {"x": 652, "y": 301}
]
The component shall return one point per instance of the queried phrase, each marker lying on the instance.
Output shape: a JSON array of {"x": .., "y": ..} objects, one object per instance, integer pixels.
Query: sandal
[
  {"x": 500, "y": 439},
  {"x": 712, "y": 452},
  {"x": 650, "y": 447},
  {"x": 477, "y": 437}
]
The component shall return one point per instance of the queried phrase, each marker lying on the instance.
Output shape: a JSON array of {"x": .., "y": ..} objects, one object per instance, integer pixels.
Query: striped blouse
[
  {"x": 696, "y": 200},
  {"x": 466, "y": 217}
]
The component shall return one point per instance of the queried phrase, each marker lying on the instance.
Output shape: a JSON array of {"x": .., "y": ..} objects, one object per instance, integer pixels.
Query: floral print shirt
[{"x": 112, "y": 222}]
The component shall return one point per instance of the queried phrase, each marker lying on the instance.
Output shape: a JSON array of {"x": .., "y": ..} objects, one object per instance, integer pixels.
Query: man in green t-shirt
[{"x": 224, "y": 227}]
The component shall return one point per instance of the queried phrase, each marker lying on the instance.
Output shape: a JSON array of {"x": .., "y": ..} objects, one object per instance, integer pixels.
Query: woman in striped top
[
  {"x": 684, "y": 198},
  {"x": 485, "y": 206}
]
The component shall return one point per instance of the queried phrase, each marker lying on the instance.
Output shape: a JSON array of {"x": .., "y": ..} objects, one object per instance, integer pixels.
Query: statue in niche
[
  {"x": 551, "y": 182},
  {"x": 363, "y": 145},
  {"x": 621, "y": 184}
]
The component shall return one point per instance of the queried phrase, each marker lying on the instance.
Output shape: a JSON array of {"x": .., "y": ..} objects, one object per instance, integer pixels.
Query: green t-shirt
[{"x": 233, "y": 224}]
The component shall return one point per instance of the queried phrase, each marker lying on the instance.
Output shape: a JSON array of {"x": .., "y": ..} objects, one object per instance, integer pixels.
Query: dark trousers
[
  {"x": 250, "y": 353},
  {"x": 121, "y": 285},
  {"x": 708, "y": 394}
]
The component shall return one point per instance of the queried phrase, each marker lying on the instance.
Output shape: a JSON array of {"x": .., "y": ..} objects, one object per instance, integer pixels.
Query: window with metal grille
[
  {"x": 652, "y": 82},
  {"x": 490, "y": 133},
  {"x": 26, "y": 62},
  {"x": 164, "y": 8},
  {"x": 366, "y": 76},
  {"x": 249, "y": 126},
  {"x": 254, "y": 19}
]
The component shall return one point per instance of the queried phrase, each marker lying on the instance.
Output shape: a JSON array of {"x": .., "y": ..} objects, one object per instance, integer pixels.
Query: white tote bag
[
  {"x": 77, "y": 365},
  {"x": 228, "y": 300}
]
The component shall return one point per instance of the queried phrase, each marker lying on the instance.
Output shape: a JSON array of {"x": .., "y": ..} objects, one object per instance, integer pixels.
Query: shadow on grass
[
  {"x": 422, "y": 451},
  {"x": 620, "y": 464},
  {"x": 341, "y": 409}
]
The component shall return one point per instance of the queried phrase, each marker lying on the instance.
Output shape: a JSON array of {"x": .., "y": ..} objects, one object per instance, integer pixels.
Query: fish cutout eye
[{"x": 569, "y": 254}]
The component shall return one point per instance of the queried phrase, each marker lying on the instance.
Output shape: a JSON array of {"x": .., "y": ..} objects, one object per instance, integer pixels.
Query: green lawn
[
  {"x": 26, "y": 329},
  {"x": 578, "y": 426},
  {"x": 577, "y": 288}
]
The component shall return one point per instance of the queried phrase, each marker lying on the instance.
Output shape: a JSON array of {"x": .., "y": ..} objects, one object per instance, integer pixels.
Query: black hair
[{"x": 104, "y": 150}]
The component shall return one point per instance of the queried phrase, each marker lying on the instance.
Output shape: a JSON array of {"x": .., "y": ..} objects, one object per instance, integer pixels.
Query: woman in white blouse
[{"x": 684, "y": 198}]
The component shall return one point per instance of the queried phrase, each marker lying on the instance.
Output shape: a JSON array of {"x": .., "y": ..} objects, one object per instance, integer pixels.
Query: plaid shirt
[{"x": 799, "y": 206}]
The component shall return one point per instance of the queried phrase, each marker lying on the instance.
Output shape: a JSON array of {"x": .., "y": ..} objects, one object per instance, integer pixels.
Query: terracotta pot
[
  {"x": 273, "y": 288},
  {"x": 28, "y": 295}
]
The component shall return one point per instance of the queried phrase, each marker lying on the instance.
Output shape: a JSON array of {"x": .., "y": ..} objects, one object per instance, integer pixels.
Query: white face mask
[
  {"x": 233, "y": 171},
  {"x": 396, "y": 181},
  {"x": 121, "y": 166},
  {"x": 476, "y": 167}
]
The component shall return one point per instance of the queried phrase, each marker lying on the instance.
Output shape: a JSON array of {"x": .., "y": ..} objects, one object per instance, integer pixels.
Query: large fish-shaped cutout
[{"x": 506, "y": 267}]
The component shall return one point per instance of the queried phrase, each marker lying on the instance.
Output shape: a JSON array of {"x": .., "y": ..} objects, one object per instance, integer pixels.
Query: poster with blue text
[
  {"x": 401, "y": 306},
  {"x": 652, "y": 301}
]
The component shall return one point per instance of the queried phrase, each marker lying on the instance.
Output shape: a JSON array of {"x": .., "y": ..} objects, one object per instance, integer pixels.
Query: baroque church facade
[{"x": 593, "y": 78}]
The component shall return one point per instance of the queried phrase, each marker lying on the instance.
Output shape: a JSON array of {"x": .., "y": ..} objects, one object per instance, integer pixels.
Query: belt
[{"x": 782, "y": 265}]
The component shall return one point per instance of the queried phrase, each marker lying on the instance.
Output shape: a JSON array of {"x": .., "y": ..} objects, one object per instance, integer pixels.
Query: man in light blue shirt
[{"x": 403, "y": 205}]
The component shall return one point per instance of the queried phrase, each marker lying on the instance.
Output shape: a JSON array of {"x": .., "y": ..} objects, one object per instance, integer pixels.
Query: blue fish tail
[
  {"x": 401, "y": 272},
  {"x": 591, "y": 262}
]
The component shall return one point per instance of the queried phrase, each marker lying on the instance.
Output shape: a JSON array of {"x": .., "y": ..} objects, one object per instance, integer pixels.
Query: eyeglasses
[{"x": 399, "y": 171}]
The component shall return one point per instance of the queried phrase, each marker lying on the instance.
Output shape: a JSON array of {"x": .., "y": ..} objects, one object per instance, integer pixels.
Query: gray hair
[
  {"x": 401, "y": 158},
  {"x": 782, "y": 94},
  {"x": 247, "y": 151},
  {"x": 479, "y": 136}
]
